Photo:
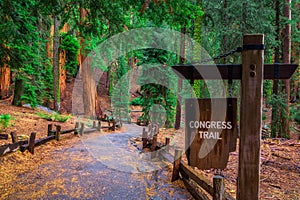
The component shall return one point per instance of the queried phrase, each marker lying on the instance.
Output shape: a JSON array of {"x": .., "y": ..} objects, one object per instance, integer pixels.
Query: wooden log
[
  {"x": 76, "y": 128},
  {"x": 196, "y": 194},
  {"x": 144, "y": 138},
  {"x": 176, "y": 164},
  {"x": 14, "y": 137},
  {"x": 3, "y": 136},
  {"x": 57, "y": 134},
  {"x": 90, "y": 130},
  {"x": 219, "y": 187},
  {"x": 49, "y": 132},
  {"x": 198, "y": 178},
  {"x": 43, "y": 140},
  {"x": 250, "y": 120},
  {"x": 105, "y": 126},
  {"x": 68, "y": 131},
  {"x": 167, "y": 148},
  {"x": 31, "y": 142},
  {"x": 81, "y": 129},
  {"x": 8, "y": 148}
]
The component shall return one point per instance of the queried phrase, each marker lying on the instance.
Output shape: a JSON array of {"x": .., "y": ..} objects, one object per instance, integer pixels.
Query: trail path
[{"x": 101, "y": 166}]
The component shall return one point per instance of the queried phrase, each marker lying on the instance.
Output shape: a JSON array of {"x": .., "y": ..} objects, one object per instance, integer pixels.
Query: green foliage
[
  {"x": 53, "y": 117},
  {"x": 120, "y": 90},
  {"x": 137, "y": 101},
  {"x": 71, "y": 45},
  {"x": 157, "y": 85},
  {"x": 4, "y": 121},
  {"x": 295, "y": 113},
  {"x": 278, "y": 102},
  {"x": 24, "y": 42}
]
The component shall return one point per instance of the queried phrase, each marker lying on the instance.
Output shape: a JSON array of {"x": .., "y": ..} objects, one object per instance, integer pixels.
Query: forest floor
[{"x": 67, "y": 169}]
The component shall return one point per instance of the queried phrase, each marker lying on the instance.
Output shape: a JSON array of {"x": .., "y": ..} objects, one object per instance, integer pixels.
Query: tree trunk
[
  {"x": 56, "y": 68},
  {"x": 89, "y": 89},
  {"x": 90, "y": 99},
  {"x": 18, "y": 92},
  {"x": 62, "y": 63},
  {"x": 182, "y": 59},
  {"x": 197, "y": 86},
  {"x": 275, "y": 124},
  {"x": 4, "y": 81},
  {"x": 286, "y": 57}
]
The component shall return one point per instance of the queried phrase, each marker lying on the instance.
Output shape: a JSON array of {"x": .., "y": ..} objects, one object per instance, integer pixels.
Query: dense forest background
[{"x": 44, "y": 43}]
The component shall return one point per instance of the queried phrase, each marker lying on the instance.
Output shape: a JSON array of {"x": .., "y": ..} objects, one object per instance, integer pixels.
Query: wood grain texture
[
  {"x": 216, "y": 109},
  {"x": 251, "y": 118}
]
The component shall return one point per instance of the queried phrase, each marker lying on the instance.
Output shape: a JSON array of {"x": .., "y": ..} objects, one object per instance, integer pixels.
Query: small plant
[
  {"x": 53, "y": 117},
  {"x": 137, "y": 101},
  {"x": 4, "y": 121}
]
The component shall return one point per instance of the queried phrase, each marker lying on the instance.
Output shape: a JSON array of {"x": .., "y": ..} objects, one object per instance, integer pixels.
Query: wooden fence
[
  {"x": 51, "y": 135},
  {"x": 191, "y": 178}
]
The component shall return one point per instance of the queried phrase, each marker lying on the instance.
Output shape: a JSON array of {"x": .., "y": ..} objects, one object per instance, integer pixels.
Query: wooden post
[
  {"x": 251, "y": 117},
  {"x": 167, "y": 144},
  {"x": 99, "y": 126},
  {"x": 176, "y": 164},
  {"x": 49, "y": 130},
  {"x": 81, "y": 129},
  {"x": 14, "y": 137},
  {"x": 57, "y": 133},
  {"x": 144, "y": 137},
  {"x": 31, "y": 142},
  {"x": 154, "y": 143},
  {"x": 113, "y": 128},
  {"x": 76, "y": 128},
  {"x": 94, "y": 124},
  {"x": 219, "y": 187}
]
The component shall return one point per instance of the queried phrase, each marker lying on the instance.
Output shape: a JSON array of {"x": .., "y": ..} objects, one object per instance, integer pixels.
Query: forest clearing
[{"x": 150, "y": 99}]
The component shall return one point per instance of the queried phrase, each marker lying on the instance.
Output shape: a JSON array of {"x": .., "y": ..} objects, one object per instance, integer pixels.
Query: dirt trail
[{"x": 62, "y": 170}]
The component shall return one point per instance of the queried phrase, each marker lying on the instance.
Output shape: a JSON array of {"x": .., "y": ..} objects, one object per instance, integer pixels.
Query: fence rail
[{"x": 51, "y": 135}]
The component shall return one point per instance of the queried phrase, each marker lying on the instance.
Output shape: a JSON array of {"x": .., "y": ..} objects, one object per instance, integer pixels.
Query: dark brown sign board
[{"x": 211, "y": 131}]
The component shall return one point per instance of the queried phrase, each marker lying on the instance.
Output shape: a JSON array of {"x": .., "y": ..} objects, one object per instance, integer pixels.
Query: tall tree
[
  {"x": 286, "y": 58},
  {"x": 55, "y": 60}
]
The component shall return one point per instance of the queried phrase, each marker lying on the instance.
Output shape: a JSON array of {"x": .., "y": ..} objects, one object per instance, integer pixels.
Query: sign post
[
  {"x": 251, "y": 72},
  {"x": 251, "y": 118}
]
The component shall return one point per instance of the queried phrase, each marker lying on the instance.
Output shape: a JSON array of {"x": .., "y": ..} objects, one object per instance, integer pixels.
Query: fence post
[
  {"x": 251, "y": 117},
  {"x": 99, "y": 126},
  {"x": 57, "y": 133},
  {"x": 76, "y": 128},
  {"x": 31, "y": 142},
  {"x": 176, "y": 164},
  {"x": 167, "y": 144},
  {"x": 81, "y": 128},
  {"x": 14, "y": 137},
  {"x": 219, "y": 187},
  {"x": 154, "y": 143},
  {"x": 94, "y": 124},
  {"x": 49, "y": 130},
  {"x": 144, "y": 137},
  {"x": 114, "y": 125}
]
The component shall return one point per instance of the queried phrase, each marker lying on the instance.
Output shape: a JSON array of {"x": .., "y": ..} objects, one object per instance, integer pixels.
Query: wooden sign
[{"x": 211, "y": 131}]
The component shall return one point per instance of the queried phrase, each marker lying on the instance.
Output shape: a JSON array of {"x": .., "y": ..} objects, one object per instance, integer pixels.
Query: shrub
[{"x": 53, "y": 117}]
